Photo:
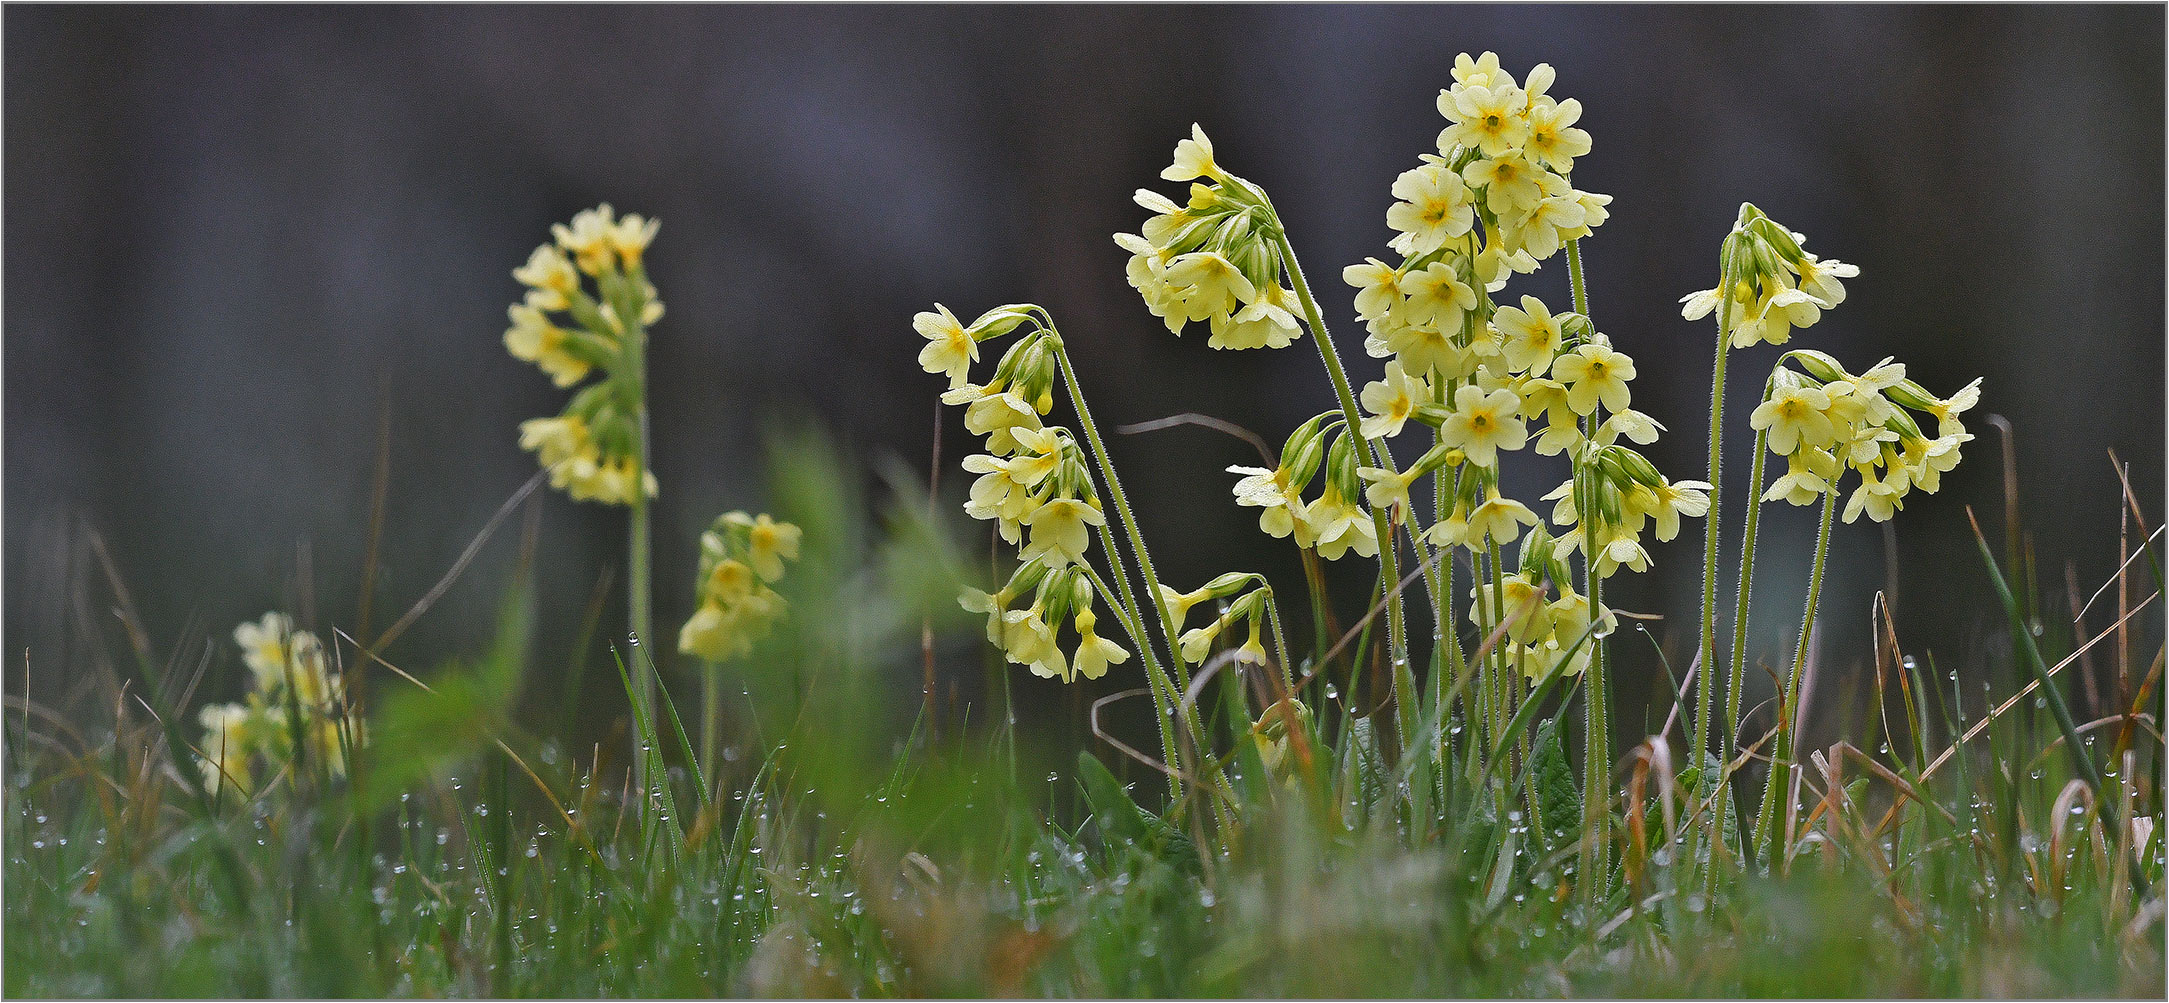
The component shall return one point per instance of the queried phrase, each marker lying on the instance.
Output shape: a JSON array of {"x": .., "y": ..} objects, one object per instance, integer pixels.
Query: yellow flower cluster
[
  {"x": 1775, "y": 285},
  {"x": 1213, "y": 258},
  {"x": 1540, "y": 629},
  {"x": 1249, "y": 607},
  {"x": 1495, "y": 200},
  {"x": 592, "y": 449},
  {"x": 1033, "y": 484},
  {"x": 293, "y": 684},
  {"x": 740, "y": 555},
  {"x": 1335, "y": 523},
  {"x": 1825, "y": 420},
  {"x": 1031, "y": 636}
]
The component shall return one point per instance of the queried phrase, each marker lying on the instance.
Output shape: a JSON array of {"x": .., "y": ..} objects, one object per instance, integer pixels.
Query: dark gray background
[{"x": 233, "y": 234}]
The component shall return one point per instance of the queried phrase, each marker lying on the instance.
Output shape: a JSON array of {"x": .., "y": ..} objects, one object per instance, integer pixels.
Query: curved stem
[
  {"x": 1163, "y": 704},
  {"x": 1388, "y": 548},
  {"x": 1788, "y": 709}
]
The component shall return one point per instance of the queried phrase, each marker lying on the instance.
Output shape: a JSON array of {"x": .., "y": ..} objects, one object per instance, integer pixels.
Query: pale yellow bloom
[
  {"x": 1552, "y": 136},
  {"x": 1595, "y": 373},
  {"x": 1392, "y": 400},
  {"x": 532, "y": 338},
  {"x": 769, "y": 543},
  {"x": 550, "y": 277},
  {"x": 949, "y": 349},
  {"x": 1437, "y": 298},
  {"x": 1486, "y": 118},
  {"x": 1511, "y": 183},
  {"x": 1794, "y": 416},
  {"x": 1060, "y": 531},
  {"x": 1435, "y": 206},
  {"x": 1531, "y": 335},
  {"x": 1483, "y": 423},
  {"x": 1340, "y": 526},
  {"x": 1498, "y": 518},
  {"x": 1378, "y": 288},
  {"x": 1193, "y": 158},
  {"x": 1095, "y": 653}
]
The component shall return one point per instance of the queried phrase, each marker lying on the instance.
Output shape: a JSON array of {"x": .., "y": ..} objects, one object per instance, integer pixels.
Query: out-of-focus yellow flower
[{"x": 532, "y": 338}]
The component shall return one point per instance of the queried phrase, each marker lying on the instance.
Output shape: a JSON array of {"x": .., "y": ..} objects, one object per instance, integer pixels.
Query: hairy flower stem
[
  {"x": 1788, "y": 709},
  {"x": 1706, "y": 644},
  {"x": 639, "y": 600},
  {"x": 1163, "y": 697},
  {"x": 1144, "y": 563},
  {"x": 1388, "y": 547},
  {"x": 1736, "y": 681},
  {"x": 1596, "y": 704}
]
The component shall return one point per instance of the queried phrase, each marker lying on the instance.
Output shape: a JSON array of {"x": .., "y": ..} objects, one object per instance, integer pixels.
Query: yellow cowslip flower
[
  {"x": 1673, "y": 499},
  {"x": 610, "y": 481},
  {"x": 1771, "y": 318},
  {"x": 1542, "y": 228},
  {"x": 1339, "y": 525},
  {"x": 999, "y": 416},
  {"x": 1378, "y": 288},
  {"x": 1198, "y": 643},
  {"x": 266, "y": 647},
  {"x": 1387, "y": 489},
  {"x": 1265, "y": 322},
  {"x": 1435, "y": 206},
  {"x": 1524, "y": 607},
  {"x": 949, "y": 349},
  {"x": 1452, "y": 531},
  {"x": 1927, "y": 460},
  {"x": 1794, "y": 416},
  {"x": 1094, "y": 653},
  {"x": 1498, "y": 518},
  {"x": 1594, "y": 373},
  {"x": 1512, "y": 183},
  {"x": 1029, "y": 641},
  {"x": 1635, "y": 426},
  {"x": 532, "y": 338},
  {"x": 1594, "y": 214},
  {"x": 1538, "y": 660},
  {"x": 1483, "y": 423},
  {"x": 630, "y": 239},
  {"x": 1480, "y": 71},
  {"x": 1425, "y": 349},
  {"x": 1819, "y": 278},
  {"x": 589, "y": 239},
  {"x": 769, "y": 543},
  {"x": 1621, "y": 550},
  {"x": 1178, "y": 604},
  {"x": 1947, "y": 410},
  {"x": 1437, "y": 298},
  {"x": 1060, "y": 531},
  {"x": 1270, "y": 491},
  {"x": 1485, "y": 118},
  {"x": 1495, "y": 263},
  {"x": 1209, "y": 284},
  {"x": 1531, "y": 335},
  {"x": 1552, "y": 136},
  {"x": 550, "y": 278},
  {"x": 1193, "y": 158},
  {"x": 1880, "y": 497},
  {"x": 1570, "y": 615},
  {"x": 712, "y": 634},
  {"x": 1392, "y": 400}
]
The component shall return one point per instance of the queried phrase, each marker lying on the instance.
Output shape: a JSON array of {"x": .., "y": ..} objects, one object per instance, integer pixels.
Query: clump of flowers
[
  {"x": 1034, "y": 484},
  {"x": 740, "y": 557},
  {"x": 296, "y": 703},
  {"x": 1824, "y": 420},
  {"x": 587, "y": 309},
  {"x": 1212, "y": 258}
]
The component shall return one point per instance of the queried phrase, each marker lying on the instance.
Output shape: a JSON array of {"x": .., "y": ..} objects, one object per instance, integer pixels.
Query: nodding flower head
[{"x": 587, "y": 308}]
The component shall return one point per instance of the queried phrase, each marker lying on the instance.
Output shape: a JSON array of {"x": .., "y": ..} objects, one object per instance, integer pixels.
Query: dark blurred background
[{"x": 236, "y": 238}]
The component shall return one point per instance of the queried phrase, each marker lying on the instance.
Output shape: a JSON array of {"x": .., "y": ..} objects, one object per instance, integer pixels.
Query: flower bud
[
  {"x": 1819, "y": 365},
  {"x": 999, "y": 321}
]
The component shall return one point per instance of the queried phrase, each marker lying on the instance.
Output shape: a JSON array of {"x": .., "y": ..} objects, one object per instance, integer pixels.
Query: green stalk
[
  {"x": 1388, "y": 546},
  {"x": 711, "y": 713},
  {"x": 1736, "y": 682},
  {"x": 639, "y": 601},
  {"x": 1596, "y": 705},
  {"x": 1706, "y": 650},
  {"x": 1144, "y": 562},
  {"x": 1788, "y": 709},
  {"x": 1155, "y": 678}
]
